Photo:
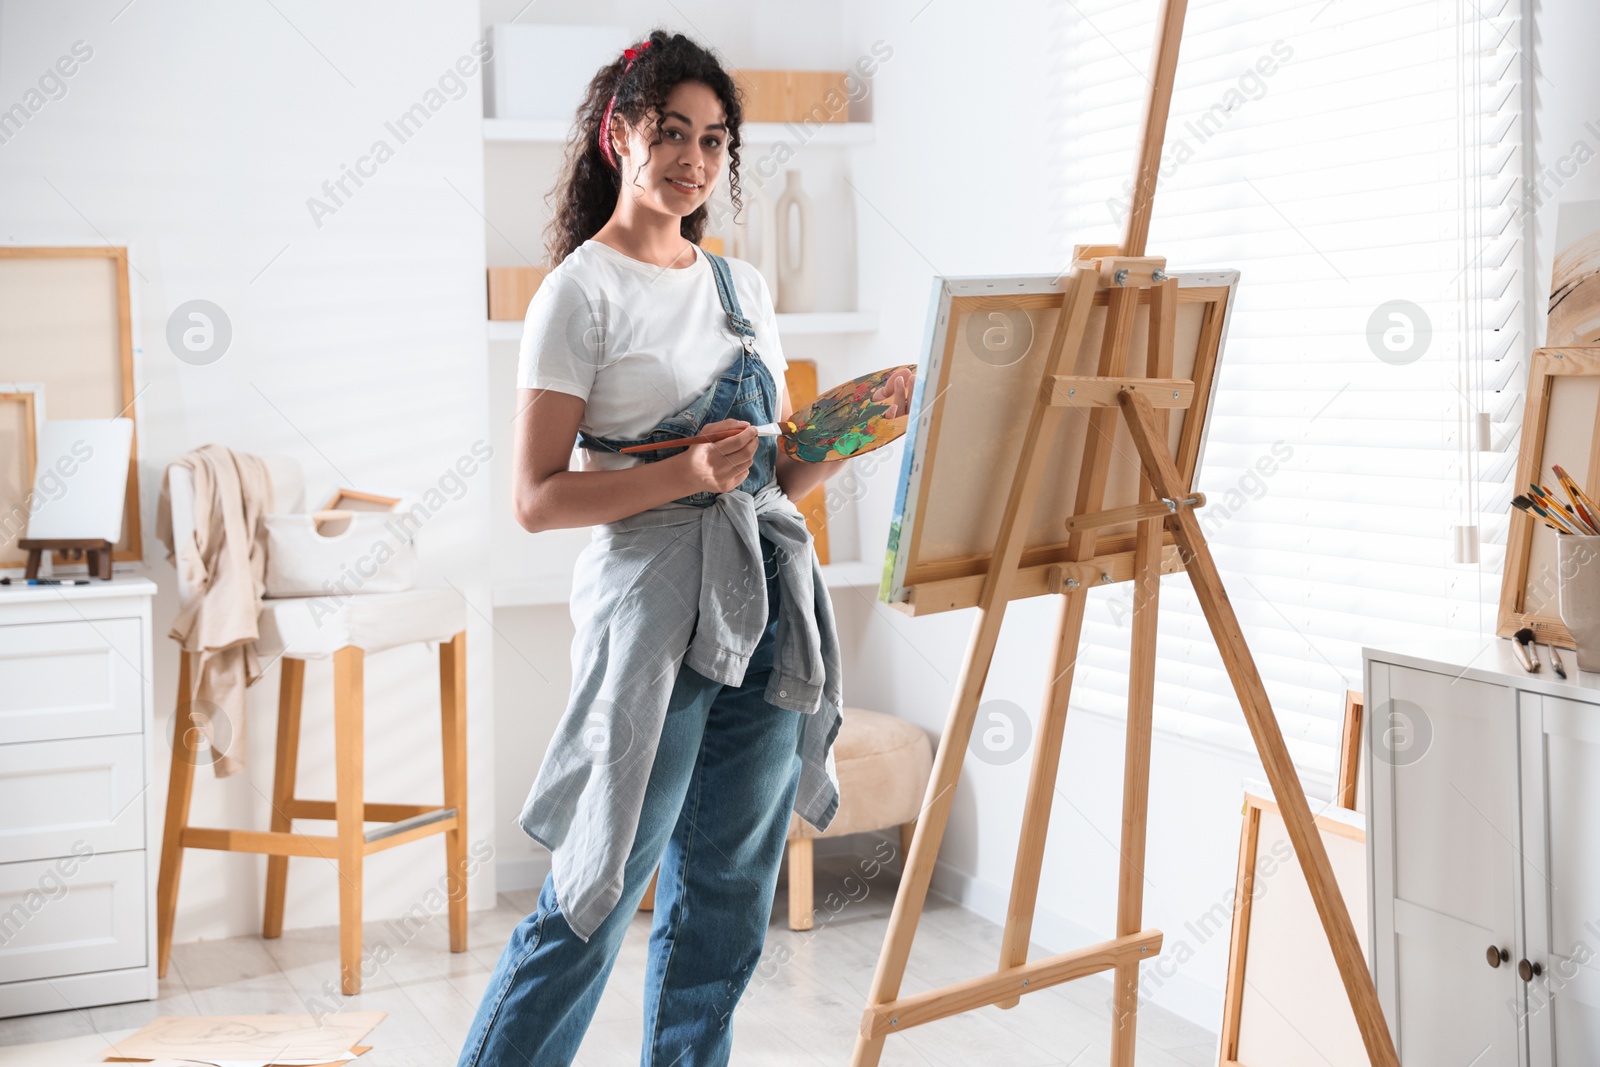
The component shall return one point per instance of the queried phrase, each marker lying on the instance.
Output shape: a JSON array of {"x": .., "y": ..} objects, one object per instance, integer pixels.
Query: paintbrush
[
  {"x": 1587, "y": 510},
  {"x": 1526, "y": 651},
  {"x": 1566, "y": 512},
  {"x": 850, "y": 419},
  {"x": 1552, "y": 509},
  {"x": 1555, "y": 660},
  {"x": 762, "y": 429},
  {"x": 1537, "y": 512}
]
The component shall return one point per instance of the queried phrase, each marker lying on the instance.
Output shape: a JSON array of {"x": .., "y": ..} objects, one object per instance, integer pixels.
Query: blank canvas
[
  {"x": 1295, "y": 1010},
  {"x": 81, "y": 479}
]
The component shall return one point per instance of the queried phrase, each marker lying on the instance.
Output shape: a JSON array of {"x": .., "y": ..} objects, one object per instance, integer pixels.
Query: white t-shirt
[{"x": 638, "y": 342}]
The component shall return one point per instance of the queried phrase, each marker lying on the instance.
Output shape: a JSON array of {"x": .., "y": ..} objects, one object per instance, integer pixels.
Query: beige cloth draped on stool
[{"x": 225, "y": 565}]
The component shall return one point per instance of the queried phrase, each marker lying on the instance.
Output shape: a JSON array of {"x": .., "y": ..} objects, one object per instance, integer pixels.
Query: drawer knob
[
  {"x": 1529, "y": 971},
  {"x": 1498, "y": 955}
]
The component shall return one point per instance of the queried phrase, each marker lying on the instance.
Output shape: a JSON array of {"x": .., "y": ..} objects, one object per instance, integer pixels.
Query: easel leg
[
  {"x": 1136, "y": 783},
  {"x": 930, "y": 829},
  {"x": 1281, "y": 774},
  {"x": 1041, "y": 786},
  {"x": 1147, "y": 549},
  {"x": 1043, "y": 424}
]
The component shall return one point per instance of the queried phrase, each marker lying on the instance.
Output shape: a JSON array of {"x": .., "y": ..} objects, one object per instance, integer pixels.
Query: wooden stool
[
  {"x": 883, "y": 764},
  {"x": 352, "y": 843}
]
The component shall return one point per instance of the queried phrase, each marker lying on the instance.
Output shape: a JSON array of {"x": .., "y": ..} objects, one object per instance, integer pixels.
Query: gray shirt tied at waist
[{"x": 677, "y": 584}]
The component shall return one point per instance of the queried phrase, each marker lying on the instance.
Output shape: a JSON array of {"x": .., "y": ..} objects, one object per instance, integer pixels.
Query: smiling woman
[
  {"x": 638, "y": 116},
  {"x": 706, "y": 690}
]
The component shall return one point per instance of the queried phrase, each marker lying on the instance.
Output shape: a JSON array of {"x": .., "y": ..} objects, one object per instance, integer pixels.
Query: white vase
[
  {"x": 752, "y": 239},
  {"x": 797, "y": 284},
  {"x": 1578, "y": 594}
]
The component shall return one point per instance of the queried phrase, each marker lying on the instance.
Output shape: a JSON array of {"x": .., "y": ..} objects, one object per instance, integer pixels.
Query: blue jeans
[{"x": 715, "y": 817}]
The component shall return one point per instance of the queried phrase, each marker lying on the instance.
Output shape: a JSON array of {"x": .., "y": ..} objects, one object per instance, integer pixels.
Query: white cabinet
[
  {"x": 1560, "y": 747},
  {"x": 1484, "y": 821},
  {"x": 77, "y": 877}
]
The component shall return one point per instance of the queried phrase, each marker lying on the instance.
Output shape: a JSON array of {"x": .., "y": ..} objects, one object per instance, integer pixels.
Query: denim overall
[
  {"x": 745, "y": 391},
  {"x": 713, "y": 827}
]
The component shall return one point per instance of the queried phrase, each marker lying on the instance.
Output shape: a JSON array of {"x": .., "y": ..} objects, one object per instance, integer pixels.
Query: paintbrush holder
[{"x": 1578, "y": 595}]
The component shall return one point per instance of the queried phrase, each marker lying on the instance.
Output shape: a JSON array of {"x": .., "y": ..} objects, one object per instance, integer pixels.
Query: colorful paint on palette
[{"x": 844, "y": 421}]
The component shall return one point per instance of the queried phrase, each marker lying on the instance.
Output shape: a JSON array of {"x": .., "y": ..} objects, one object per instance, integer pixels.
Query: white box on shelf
[{"x": 542, "y": 71}]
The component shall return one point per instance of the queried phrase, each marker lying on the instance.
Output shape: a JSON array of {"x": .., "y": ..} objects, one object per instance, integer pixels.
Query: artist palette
[{"x": 853, "y": 418}]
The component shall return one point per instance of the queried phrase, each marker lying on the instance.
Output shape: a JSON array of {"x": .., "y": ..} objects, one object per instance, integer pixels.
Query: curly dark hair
[{"x": 587, "y": 193}]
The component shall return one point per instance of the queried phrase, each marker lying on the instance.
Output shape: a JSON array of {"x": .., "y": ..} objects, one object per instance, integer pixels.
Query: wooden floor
[{"x": 802, "y": 1006}]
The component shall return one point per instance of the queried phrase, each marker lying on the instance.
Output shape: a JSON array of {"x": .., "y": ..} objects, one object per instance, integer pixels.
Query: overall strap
[{"x": 730, "y": 300}]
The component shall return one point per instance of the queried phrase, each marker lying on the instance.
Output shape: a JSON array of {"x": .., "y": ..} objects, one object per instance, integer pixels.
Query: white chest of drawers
[
  {"x": 77, "y": 747},
  {"x": 1484, "y": 837}
]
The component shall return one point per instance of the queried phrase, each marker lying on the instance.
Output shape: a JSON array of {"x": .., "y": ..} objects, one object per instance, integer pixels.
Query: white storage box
[
  {"x": 542, "y": 71},
  {"x": 353, "y": 552}
]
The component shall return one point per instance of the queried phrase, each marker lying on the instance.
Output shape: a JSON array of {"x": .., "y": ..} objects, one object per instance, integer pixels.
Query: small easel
[
  {"x": 96, "y": 552},
  {"x": 1121, "y": 276}
]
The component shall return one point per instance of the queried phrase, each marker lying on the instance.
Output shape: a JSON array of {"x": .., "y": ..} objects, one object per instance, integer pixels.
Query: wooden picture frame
[
  {"x": 356, "y": 500},
  {"x": 1305, "y": 1018},
  {"x": 988, "y": 339},
  {"x": 66, "y": 320},
  {"x": 1350, "y": 778},
  {"x": 1560, "y": 424},
  {"x": 21, "y": 423}
]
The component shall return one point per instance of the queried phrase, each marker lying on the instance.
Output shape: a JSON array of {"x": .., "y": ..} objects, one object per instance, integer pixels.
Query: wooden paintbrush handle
[{"x": 704, "y": 438}]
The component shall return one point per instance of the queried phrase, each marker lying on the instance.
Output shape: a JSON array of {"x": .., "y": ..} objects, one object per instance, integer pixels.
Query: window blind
[{"x": 1359, "y": 162}]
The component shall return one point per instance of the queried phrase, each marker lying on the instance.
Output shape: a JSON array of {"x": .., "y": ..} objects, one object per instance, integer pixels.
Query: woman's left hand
[{"x": 896, "y": 392}]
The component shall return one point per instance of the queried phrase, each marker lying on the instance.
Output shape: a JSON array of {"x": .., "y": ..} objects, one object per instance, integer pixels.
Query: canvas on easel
[
  {"x": 1137, "y": 505},
  {"x": 988, "y": 338}
]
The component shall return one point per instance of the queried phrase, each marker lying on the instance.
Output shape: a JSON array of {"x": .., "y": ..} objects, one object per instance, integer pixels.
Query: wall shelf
[
  {"x": 813, "y": 322},
  {"x": 828, "y": 322},
  {"x": 555, "y": 131},
  {"x": 558, "y": 591}
]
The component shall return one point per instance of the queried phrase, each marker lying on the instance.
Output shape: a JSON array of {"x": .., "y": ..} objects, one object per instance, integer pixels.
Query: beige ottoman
[{"x": 883, "y": 764}]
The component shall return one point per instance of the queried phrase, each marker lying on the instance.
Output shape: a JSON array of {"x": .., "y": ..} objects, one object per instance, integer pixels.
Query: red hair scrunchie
[{"x": 605, "y": 120}]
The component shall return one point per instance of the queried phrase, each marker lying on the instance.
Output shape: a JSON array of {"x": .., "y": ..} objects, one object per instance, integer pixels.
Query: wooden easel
[
  {"x": 1166, "y": 502},
  {"x": 93, "y": 550}
]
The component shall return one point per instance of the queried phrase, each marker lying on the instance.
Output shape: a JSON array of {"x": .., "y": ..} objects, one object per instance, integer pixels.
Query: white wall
[{"x": 195, "y": 135}]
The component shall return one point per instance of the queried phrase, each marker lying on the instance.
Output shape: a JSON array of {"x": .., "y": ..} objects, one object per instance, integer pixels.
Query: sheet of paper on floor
[
  {"x": 86, "y": 1050},
  {"x": 254, "y": 1039}
]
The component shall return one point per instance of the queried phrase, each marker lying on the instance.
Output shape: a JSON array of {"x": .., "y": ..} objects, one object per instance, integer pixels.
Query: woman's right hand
[{"x": 720, "y": 466}]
